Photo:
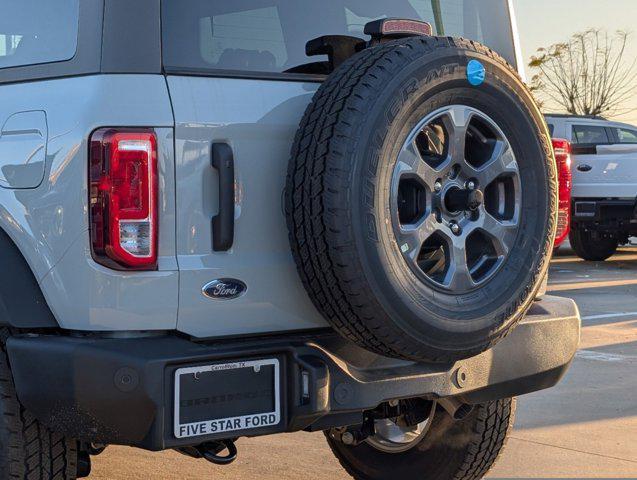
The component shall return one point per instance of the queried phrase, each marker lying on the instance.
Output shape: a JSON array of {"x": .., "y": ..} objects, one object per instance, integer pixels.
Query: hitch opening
[
  {"x": 211, "y": 451},
  {"x": 411, "y": 415}
]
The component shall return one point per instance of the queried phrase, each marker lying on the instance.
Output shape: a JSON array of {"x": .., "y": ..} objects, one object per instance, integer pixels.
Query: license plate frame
[{"x": 242, "y": 422}]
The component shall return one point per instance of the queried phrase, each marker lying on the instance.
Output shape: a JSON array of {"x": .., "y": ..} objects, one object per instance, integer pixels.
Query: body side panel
[
  {"x": 23, "y": 140},
  {"x": 49, "y": 224},
  {"x": 612, "y": 172}
]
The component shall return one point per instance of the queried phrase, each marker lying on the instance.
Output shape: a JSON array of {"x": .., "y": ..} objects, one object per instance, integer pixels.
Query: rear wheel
[
  {"x": 446, "y": 449},
  {"x": 28, "y": 450},
  {"x": 593, "y": 249}
]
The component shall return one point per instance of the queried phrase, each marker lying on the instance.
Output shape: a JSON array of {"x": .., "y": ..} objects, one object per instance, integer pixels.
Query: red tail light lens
[
  {"x": 562, "y": 149},
  {"x": 123, "y": 198}
]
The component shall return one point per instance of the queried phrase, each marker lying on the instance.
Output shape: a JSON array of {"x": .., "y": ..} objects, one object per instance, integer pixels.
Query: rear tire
[
  {"x": 458, "y": 450},
  {"x": 590, "y": 249},
  {"x": 28, "y": 450}
]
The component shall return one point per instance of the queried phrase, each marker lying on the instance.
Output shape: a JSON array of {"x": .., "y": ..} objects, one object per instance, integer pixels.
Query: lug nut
[
  {"x": 438, "y": 186},
  {"x": 455, "y": 228},
  {"x": 471, "y": 185}
]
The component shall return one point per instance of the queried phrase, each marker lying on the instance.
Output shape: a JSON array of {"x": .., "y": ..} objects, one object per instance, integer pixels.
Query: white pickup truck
[{"x": 604, "y": 165}]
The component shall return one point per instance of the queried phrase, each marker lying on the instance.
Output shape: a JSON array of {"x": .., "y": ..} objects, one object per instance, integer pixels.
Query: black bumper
[
  {"x": 606, "y": 214},
  {"x": 120, "y": 391}
]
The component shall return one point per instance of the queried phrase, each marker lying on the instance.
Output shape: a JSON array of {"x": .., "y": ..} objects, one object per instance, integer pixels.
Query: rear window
[
  {"x": 270, "y": 35},
  {"x": 37, "y": 31},
  {"x": 626, "y": 135},
  {"x": 590, "y": 135},
  {"x": 551, "y": 128}
]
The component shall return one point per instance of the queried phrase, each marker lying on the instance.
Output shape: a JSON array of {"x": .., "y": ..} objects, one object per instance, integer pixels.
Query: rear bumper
[
  {"x": 120, "y": 391},
  {"x": 617, "y": 215}
]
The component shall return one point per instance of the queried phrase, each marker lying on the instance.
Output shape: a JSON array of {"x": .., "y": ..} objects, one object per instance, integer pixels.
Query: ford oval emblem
[{"x": 224, "y": 289}]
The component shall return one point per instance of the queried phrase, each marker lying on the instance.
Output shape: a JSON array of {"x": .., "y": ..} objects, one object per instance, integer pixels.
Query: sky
[{"x": 545, "y": 22}]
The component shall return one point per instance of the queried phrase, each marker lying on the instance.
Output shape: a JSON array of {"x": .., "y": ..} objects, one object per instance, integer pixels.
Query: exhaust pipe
[{"x": 455, "y": 408}]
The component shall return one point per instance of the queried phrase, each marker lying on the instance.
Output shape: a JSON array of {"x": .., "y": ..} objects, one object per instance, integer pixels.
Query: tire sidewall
[{"x": 589, "y": 249}]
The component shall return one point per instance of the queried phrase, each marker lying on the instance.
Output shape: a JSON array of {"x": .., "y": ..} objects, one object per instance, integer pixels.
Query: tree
[{"x": 588, "y": 75}]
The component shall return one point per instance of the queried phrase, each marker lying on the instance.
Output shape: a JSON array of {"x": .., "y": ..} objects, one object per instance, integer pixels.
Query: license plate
[{"x": 215, "y": 399}]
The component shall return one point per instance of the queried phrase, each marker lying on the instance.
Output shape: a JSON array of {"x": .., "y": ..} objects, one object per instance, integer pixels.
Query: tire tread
[{"x": 495, "y": 421}]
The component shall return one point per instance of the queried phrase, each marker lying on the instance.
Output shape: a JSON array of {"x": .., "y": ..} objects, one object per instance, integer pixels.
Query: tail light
[
  {"x": 562, "y": 149},
  {"x": 123, "y": 198}
]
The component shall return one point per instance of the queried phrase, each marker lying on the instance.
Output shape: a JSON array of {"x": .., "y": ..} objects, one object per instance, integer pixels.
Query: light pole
[{"x": 440, "y": 27}]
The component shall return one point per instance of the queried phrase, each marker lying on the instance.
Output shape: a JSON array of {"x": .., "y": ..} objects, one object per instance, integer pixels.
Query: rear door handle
[{"x": 223, "y": 222}]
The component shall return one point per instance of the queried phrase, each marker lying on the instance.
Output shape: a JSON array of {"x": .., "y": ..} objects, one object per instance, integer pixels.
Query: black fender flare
[{"x": 22, "y": 303}]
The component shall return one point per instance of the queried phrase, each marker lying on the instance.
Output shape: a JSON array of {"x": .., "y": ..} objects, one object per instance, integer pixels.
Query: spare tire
[{"x": 421, "y": 199}]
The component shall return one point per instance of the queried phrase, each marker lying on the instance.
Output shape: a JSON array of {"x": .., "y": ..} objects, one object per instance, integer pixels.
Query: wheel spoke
[
  {"x": 412, "y": 237},
  {"x": 458, "y": 276},
  {"x": 410, "y": 162},
  {"x": 456, "y": 121},
  {"x": 503, "y": 233},
  {"x": 502, "y": 162}
]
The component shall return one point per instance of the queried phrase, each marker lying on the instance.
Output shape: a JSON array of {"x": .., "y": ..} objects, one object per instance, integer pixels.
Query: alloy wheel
[{"x": 455, "y": 199}]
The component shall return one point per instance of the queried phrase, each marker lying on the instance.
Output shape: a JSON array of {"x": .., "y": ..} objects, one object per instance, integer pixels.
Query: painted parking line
[
  {"x": 618, "y": 258},
  {"x": 609, "y": 315},
  {"x": 603, "y": 356},
  {"x": 566, "y": 286}
]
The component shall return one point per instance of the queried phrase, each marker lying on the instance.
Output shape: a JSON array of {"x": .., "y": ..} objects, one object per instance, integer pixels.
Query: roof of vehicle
[
  {"x": 588, "y": 120},
  {"x": 568, "y": 115}
]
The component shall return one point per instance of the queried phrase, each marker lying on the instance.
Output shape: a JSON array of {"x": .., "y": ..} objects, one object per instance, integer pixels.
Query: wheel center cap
[{"x": 462, "y": 199}]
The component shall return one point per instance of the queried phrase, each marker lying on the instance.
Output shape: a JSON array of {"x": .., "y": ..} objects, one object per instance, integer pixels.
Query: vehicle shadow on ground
[
  {"x": 576, "y": 399},
  {"x": 613, "y": 322},
  {"x": 624, "y": 257},
  {"x": 615, "y": 353}
]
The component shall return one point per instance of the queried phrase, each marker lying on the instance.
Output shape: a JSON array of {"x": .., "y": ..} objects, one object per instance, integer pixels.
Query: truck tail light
[
  {"x": 562, "y": 149},
  {"x": 123, "y": 189}
]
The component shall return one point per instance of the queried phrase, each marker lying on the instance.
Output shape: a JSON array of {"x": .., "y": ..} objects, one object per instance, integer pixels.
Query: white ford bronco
[{"x": 222, "y": 219}]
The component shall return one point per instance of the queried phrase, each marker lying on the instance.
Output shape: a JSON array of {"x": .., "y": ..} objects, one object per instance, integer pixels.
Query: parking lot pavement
[
  {"x": 584, "y": 427},
  {"x": 587, "y": 425}
]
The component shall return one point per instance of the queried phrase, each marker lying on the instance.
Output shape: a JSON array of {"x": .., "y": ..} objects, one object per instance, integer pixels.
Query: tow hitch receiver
[
  {"x": 405, "y": 413},
  {"x": 211, "y": 451}
]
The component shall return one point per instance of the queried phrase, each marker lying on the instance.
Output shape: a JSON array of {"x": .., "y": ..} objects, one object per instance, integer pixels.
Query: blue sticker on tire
[{"x": 476, "y": 73}]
